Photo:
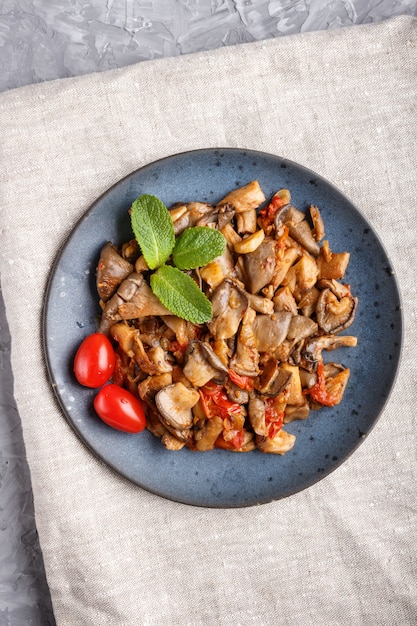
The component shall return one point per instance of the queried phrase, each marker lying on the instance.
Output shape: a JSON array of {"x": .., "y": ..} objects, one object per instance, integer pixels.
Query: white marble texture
[{"x": 47, "y": 39}]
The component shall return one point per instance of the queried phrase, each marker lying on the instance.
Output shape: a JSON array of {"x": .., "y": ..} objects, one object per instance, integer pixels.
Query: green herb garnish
[
  {"x": 195, "y": 247},
  {"x": 153, "y": 229},
  {"x": 180, "y": 294}
]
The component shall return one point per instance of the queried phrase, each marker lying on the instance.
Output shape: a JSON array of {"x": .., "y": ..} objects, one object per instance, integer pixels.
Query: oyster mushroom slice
[
  {"x": 334, "y": 314},
  {"x": 142, "y": 303},
  {"x": 280, "y": 444},
  {"x": 314, "y": 346},
  {"x": 259, "y": 265},
  {"x": 203, "y": 364},
  {"x": 256, "y": 413},
  {"x": 126, "y": 291},
  {"x": 174, "y": 404},
  {"x": 303, "y": 235},
  {"x": 246, "y": 359},
  {"x": 301, "y": 327},
  {"x": 229, "y": 305},
  {"x": 112, "y": 269},
  {"x": 271, "y": 330},
  {"x": 244, "y": 198}
]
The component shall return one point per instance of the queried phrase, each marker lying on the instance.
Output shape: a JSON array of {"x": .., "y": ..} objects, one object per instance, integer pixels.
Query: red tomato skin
[
  {"x": 120, "y": 409},
  {"x": 94, "y": 361}
]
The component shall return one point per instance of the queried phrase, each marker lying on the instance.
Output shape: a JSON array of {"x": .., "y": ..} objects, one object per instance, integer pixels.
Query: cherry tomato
[
  {"x": 120, "y": 409},
  {"x": 94, "y": 361}
]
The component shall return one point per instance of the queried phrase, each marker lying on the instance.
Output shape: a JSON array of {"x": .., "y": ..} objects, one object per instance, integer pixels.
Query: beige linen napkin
[{"x": 342, "y": 552}]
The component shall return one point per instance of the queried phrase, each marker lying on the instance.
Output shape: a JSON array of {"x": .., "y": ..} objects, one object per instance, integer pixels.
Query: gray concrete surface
[{"x": 45, "y": 39}]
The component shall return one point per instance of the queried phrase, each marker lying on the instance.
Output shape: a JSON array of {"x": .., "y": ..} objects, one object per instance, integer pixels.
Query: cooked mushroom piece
[
  {"x": 256, "y": 414},
  {"x": 174, "y": 404},
  {"x": 294, "y": 390},
  {"x": 226, "y": 213},
  {"x": 280, "y": 217},
  {"x": 318, "y": 225},
  {"x": 301, "y": 327},
  {"x": 248, "y": 197},
  {"x": 126, "y": 291},
  {"x": 271, "y": 330},
  {"x": 273, "y": 379},
  {"x": 150, "y": 386},
  {"x": 334, "y": 314},
  {"x": 280, "y": 444},
  {"x": 259, "y": 266},
  {"x": 143, "y": 303},
  {"x": 235, "y": 393},
  {"x": 296, "y": 412},
  {"x": 302, "y": 233},
  {"x": 260, "y": 304},
  {"x": 314, "y": 346},
  {"x": 187, "y": 215},
  {"x": 205, "y": 436},
  {"x": 217, "y": 270},
  {"x": 202, "y": 364},
  {"x": 170, "y": 442},
  {"x": 332, "y": 265},
  {"x": 246, "y": 222},
  {"x": 284, "y": 301},
  {"x": 246, "y": 359},
  {"x": 336, "y": 379},
  {"x": 307, "y": 304},
  {"x": 112, "y": 269},
  {"x": 229, "y": 305}
]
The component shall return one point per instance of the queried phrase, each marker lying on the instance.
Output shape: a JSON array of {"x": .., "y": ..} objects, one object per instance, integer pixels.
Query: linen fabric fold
[{"x": 342, "y": 103}]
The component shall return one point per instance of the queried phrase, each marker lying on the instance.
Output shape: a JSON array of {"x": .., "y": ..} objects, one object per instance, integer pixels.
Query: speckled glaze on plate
[{"x": 220, "y": 478}]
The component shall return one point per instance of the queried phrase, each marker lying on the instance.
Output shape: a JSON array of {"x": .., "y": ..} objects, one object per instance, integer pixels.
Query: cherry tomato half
[
  {"x": 120, "y": 409},
  {"x": 94, "y": 361}
]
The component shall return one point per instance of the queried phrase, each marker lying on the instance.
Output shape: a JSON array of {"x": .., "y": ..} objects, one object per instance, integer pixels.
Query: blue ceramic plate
[{"x": 220, "y": 478}]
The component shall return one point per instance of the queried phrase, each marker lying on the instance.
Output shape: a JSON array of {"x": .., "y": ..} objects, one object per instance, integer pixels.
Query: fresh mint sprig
[{"x": 154, "y": 231}]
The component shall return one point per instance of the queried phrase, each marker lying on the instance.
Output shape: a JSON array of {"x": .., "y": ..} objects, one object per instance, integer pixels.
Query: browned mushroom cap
[
  {"x": 280, "y": 444},
  {"x": 314, "y": 346},
  {"x": 202, "y": 364},
  {"x": 334, "y": 314},
  {"x": 259, "y": 265},
  {"x": 174, "y": 404},
  {"x": 112, "y": 269},
  {"x": 271, "y": 330}
]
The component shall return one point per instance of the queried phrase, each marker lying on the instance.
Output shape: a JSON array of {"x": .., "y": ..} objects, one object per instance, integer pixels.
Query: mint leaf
[
  {"x": 180, "y": 294},
  {"x": 198, "y": 246},
  {"x": 153, "y": 229}
]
